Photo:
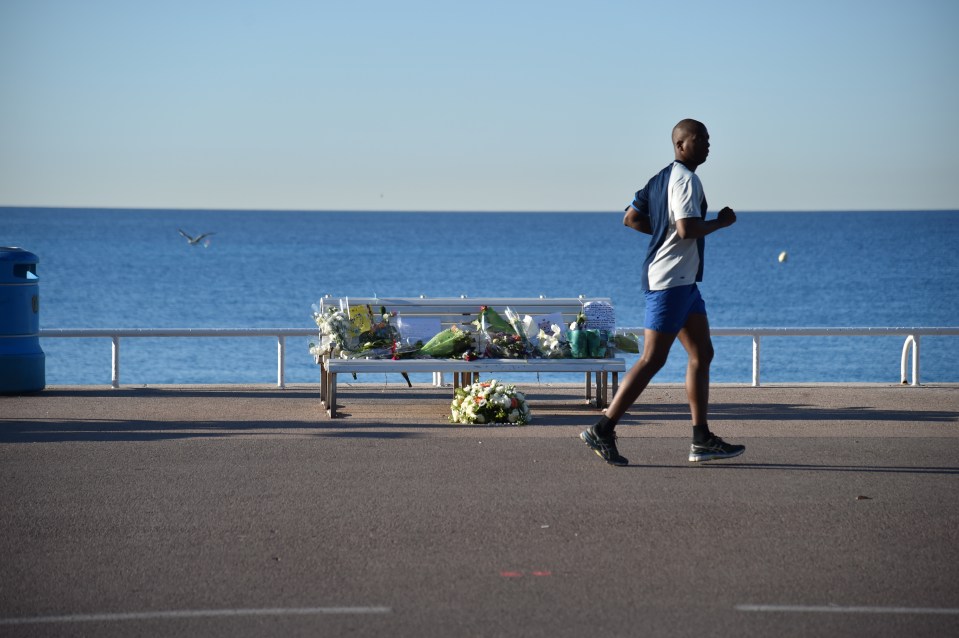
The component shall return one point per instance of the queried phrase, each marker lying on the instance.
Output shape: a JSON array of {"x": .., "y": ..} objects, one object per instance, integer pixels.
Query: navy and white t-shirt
[{"x": 674, "y": 193}]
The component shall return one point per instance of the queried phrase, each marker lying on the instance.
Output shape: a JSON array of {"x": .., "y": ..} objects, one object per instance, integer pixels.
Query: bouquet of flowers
[
  {"x": 354, "y": 332},
  {"x": 489, "y": 402},
  {"x": 379, "y": 339},
  {"x": 501, "y": 339},
  {"x": 337, "y": 333},
  {"x": 553, "y": 344},
  {"x": 448, "y": 344}
]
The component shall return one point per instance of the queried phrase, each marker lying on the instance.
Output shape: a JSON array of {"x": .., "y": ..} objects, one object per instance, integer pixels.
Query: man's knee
[
  {"x": 654, "y": 360},
  {"x": 703, "y": 354}
]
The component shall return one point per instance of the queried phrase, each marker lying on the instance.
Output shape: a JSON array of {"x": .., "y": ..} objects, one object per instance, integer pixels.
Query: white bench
[{"x": 461, "y": 312}]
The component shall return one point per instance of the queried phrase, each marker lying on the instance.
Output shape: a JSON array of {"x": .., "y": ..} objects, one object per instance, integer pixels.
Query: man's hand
[
  {"x": 726, "y": 217},
  {"x": 694, "y": 227}
]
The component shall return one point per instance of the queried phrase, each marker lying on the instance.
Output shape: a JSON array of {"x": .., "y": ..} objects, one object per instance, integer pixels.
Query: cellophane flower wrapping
[
  {"x": 626, "y": 343},
  {"x": 587, "y": 343},
  {"x": 499, "y": 339},
  {"x": 448, "y": 344},
  {"x": 491, "y": 402}
]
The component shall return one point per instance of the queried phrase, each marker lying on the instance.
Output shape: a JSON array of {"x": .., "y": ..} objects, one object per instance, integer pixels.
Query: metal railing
[
  {"x": 912, "y": 341},
  {"x": 912, "y": 335},
  {"x": 115, "y": 335}
]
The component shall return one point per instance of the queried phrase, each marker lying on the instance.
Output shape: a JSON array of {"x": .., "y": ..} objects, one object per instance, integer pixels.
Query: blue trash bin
[{"x": 22, "y": 362}]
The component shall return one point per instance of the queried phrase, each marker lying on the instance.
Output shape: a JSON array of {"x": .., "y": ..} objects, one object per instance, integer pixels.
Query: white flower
[{"x": 492, "y": 402}]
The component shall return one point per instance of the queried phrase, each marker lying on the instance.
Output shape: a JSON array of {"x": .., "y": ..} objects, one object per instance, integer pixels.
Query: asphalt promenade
[{"x": 245, "y": 511}]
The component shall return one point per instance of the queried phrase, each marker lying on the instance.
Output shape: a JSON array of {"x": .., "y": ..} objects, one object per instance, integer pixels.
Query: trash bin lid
[{"x": 17, "y": 255}]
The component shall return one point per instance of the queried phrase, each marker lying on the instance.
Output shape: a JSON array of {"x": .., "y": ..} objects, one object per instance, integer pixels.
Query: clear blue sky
[{"x": 555, "y": 105}]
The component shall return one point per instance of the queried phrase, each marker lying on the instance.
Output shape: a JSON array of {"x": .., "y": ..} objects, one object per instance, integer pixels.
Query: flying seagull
[{"x": 193, "y": 241}]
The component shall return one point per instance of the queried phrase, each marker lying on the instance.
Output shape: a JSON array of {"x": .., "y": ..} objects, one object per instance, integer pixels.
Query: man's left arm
[
  {"x": 695, "y": 227},
  {"x": 637, "y": 221}
]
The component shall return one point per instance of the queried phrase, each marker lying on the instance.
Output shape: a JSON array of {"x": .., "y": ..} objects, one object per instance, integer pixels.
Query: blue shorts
[{"x": 667, "y": 310}]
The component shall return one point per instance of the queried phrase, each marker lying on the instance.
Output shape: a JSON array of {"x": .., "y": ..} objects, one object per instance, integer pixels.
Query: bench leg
[
  {"x": 602, "y": 389},
  {"x": 322, "y": 384},
  {"x": 615, "y": 384},
  {"x": 331, "y": 395},
  {"x": 589, "y": 386},
  {"x": 463, "y": 379}
]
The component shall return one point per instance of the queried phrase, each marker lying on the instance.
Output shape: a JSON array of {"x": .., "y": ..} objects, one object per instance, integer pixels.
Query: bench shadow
[
  {"x": 188, "y": 393},
  {"x": 567, "y": 409},
  {"x": 103, "y": 430}
]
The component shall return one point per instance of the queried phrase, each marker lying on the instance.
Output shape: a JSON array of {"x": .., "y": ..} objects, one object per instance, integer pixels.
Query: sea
[{"x": 112, "y": 268}]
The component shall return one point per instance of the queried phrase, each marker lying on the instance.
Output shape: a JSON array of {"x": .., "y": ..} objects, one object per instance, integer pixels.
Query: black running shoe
[
  {"x": 714, "y": 448},
  {"x": 605, "y": 448}
]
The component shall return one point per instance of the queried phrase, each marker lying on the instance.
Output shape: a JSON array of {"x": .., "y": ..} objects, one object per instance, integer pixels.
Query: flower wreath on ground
[{"x": 488, "y": 403}]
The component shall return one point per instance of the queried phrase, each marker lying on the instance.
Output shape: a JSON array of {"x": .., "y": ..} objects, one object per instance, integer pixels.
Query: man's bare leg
[
  {"x": 696, "y": 340},
  {"x": 600, "y": 437},
  {"x": 656, "y": 346}
]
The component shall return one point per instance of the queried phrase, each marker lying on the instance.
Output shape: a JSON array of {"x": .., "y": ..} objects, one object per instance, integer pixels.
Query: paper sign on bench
[
  {"x": 360, "y": 318},
  {"x": 599, "y": 316},
  {"x": 413, "y": 329}
]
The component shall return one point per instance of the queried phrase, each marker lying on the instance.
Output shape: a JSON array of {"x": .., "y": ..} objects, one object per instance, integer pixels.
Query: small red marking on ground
[
  {"x": 542, "y": 573},
  {"x": 511, "y": 574}
]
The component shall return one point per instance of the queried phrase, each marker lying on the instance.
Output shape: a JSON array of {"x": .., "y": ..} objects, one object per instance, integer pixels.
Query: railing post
[
  {"x": 915, "y": 360},
  {"x": 755, "y": 361},
  {"x": 912, "y": 341},
  {"x": 115, "y": 368},
  {"x": 280, "y": 361}
]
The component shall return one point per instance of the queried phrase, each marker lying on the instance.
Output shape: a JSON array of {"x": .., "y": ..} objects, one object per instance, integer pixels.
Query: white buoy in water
[{"x": 783, "y": 256}]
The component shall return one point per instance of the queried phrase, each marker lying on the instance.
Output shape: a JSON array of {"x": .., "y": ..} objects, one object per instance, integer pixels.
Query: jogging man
[{"x": 672, "y": 208}]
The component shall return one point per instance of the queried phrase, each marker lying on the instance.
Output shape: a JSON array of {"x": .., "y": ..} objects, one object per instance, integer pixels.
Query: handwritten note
[{"x": 599, "y": 316}]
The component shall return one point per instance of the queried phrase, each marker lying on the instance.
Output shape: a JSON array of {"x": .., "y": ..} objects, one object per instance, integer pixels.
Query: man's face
[{"x": 695, "y": 147}]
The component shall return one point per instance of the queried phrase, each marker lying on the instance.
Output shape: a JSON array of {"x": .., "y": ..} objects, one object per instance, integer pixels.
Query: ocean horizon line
[{"x": 82, "y": 209}]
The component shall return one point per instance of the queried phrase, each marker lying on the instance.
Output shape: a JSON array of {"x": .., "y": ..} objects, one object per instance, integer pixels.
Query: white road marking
[
  {"x": 194, "y": 613},
  {"x": 836, "y": 609}
]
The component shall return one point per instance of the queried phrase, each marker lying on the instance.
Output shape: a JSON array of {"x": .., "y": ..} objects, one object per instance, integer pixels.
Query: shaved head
[{"x": 685, "y": 128}]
